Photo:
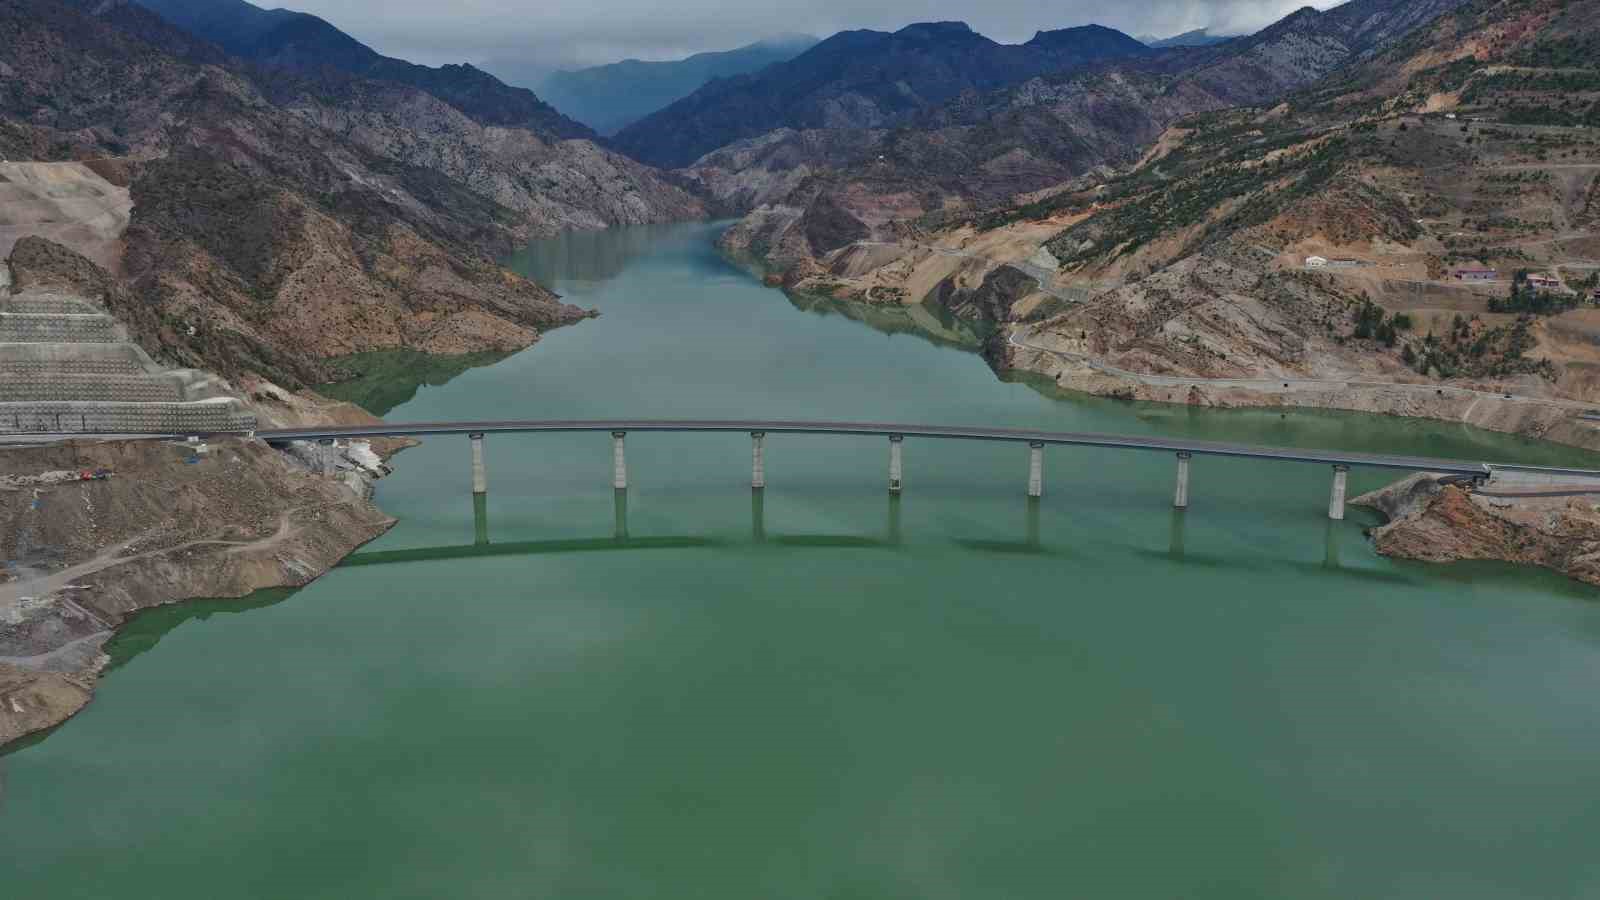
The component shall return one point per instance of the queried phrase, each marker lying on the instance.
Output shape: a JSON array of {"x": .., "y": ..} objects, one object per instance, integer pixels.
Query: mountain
[
  {"x": 859, "y": 79},
  {"x": 284, "y": 39},
  {"x": 1465, "y": 143},
  {"x": 1438, "y": 137},
  {"x": 1199, "y": 37},
  {"x": 608, "y": 98},
  {"x": 981, "y": 150},
  {"x": 281, "y": 220}
]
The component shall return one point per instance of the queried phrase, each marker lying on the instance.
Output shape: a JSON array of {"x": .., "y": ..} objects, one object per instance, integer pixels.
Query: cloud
[{"x": 585, "y": 32}]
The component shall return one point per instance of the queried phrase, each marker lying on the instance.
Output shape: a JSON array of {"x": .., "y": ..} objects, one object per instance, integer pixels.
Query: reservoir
[{"x": 822, "y": 691}]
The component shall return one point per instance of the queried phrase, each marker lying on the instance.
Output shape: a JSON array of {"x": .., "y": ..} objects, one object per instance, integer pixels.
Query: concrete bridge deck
[
  {"x": 758, "y": 429},
  {"x": 888, "y": 429}
]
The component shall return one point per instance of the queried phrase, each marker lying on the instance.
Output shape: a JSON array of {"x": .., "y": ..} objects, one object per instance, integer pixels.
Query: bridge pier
[
  {"x": 1180, "y": 499},
  {"x": 758, "y": 468},
  {"x": 480, "y": 519},
  {"x": 326, "y": 456},
  {"x": 1036, "y": 469},
  {"x": 895, "y": 440},
  {"x": 1336, "y": 500},
  {"x": 480, "y": 476},
  {"x": 758, "y": 516},
  {"x": 619, "y": 461}
]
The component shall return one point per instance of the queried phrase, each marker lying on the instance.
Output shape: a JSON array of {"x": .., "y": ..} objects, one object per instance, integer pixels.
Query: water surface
[{"x": 821, "y": 692}]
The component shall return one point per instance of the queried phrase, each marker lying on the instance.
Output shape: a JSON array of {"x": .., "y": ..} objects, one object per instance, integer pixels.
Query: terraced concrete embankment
[{"x": 67, "y": 366}]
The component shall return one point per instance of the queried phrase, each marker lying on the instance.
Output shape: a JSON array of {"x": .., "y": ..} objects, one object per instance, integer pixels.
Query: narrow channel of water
[{"x": 823, "y": 692}]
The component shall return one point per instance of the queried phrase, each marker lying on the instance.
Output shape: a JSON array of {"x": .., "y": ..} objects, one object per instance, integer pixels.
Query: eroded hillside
[
  {"x": 1413, "y": 235},
  {"x": 1007, "y": 148}
]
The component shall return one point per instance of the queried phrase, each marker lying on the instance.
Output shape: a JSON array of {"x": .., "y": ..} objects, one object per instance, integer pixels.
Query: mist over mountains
[{"x": 610, "y": 97}]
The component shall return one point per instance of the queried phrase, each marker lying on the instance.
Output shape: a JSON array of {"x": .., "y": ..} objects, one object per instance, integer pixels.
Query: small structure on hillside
[
  {"x": 1543, "y": 281},
  {"x": 1476, "y": 274},
  {"x": 1316, "y": 262}
]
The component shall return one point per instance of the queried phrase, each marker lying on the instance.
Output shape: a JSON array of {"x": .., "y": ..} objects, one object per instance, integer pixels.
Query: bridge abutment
[
  {"x": 895, "y": 440},
  {"x": 1036, "y": 469},
  {"x": 619, "y": 461},
  {"x": 1336, "y": 499}
]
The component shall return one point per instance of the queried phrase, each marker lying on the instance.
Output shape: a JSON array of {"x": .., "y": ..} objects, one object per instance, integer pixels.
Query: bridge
[{"x": 1182, "y": 448}]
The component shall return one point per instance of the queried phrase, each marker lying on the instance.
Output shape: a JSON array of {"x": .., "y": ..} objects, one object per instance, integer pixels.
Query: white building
[{"x": 1316, "y": 262}]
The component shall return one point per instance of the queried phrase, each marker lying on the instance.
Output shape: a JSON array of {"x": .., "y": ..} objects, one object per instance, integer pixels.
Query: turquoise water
[{"x": 821, "y": 692}]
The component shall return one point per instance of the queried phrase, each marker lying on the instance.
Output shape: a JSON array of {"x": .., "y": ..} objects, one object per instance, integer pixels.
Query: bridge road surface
[{"x": 884, "y": 429}]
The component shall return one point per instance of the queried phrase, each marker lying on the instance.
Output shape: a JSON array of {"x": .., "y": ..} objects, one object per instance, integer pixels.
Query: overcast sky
[{"x": 564, "y": 33}]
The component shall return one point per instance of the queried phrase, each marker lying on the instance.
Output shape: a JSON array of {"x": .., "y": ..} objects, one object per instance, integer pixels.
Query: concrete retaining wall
[
  {"x": 45, "y": 305},
  {"x": 18, "y": 387},
  {"x": 123, "y": 418},
  {"x": 74, "y": 329},
  {"x": 82, "y": 359}
]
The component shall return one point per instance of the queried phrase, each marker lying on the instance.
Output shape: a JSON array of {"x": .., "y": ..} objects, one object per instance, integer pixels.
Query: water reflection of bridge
[
  {"x": 1029, "y": 543},
  {"x": 621, "y": 539}
]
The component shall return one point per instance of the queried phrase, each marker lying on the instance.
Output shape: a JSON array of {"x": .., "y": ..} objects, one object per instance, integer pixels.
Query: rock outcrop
[{"x": 1554, "y": 526}]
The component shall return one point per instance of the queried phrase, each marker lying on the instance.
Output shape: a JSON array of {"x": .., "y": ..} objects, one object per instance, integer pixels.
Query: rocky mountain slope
[
  {"x": 611, "y": 97},
  {"x": 1459, "y": 148},
  {"x": 279, "y": 221},
  {"x": 859, "y": 79},
  {"x": 1182, "y": 277},
  {"x": 1001, "y": 148}
]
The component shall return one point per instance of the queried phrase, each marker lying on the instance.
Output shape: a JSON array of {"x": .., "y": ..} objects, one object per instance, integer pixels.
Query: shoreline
[
  {"x": 52, "y": 643},
  {"x": 1551, "y": 421}
]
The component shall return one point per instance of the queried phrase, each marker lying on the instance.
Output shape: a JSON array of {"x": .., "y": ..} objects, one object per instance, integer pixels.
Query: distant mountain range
[
  {"x": 610, "y": 97},
  {"x": 854, "y": 173},
  {"x": 860, "y": 79},
  {"x": 296, "y": 41},
  {"x": 1199, "y": 37}
]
